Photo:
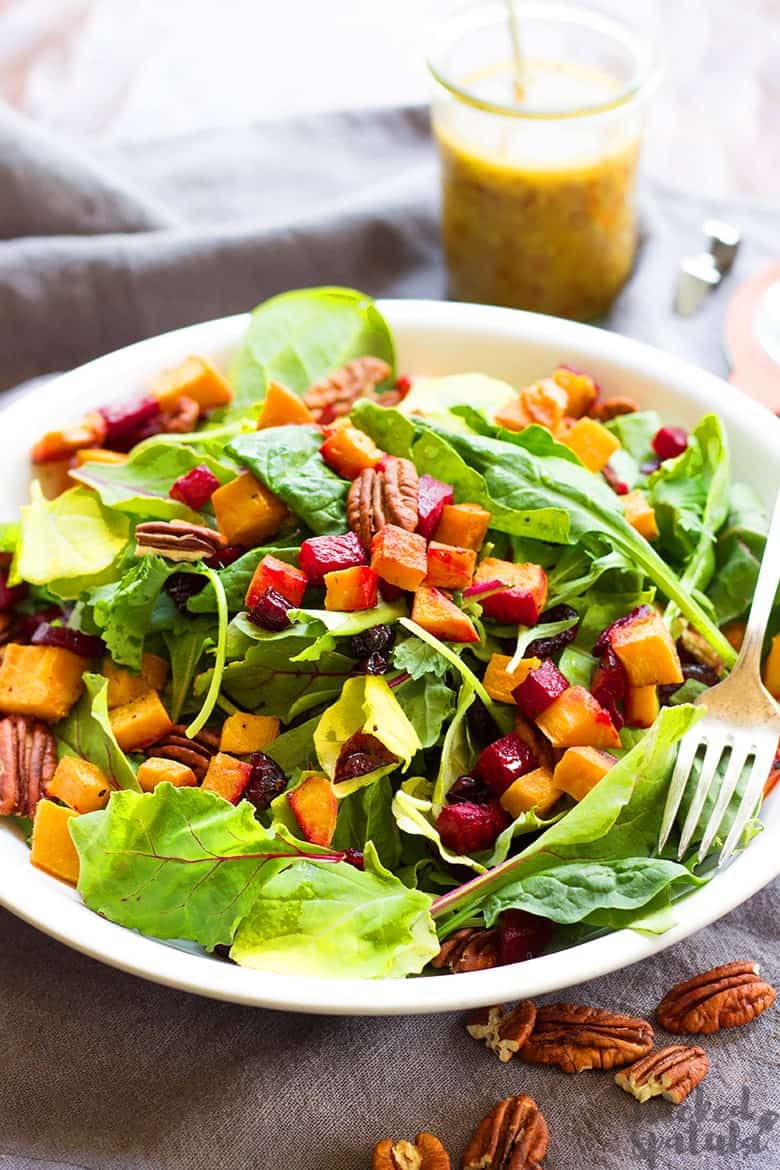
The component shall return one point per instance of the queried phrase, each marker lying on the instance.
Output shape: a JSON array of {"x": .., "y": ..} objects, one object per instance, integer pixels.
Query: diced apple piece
[
  {"x": 58, "y": 445},
  {"x": 327, "y": 554},
  {"x": 580, "y": 769},
  {"x": 647, "y": 650},
  {"x": 772, "y": 668},
  {"x": 581, "y": 390},
  {"x": 432, "y": 497},
  {"x": 592, "y": 443},
  {"x": 536, "y": 790},
  {"x": 502, "y": 762},
  {"x": 463, "y": 525},
  {"x": 80, "y": 784},
  {"x": 140, "y": 722},
  {"x": 281, "y": 408},
  {"x": 157, "y": 770},
  {"x": 243, "y": 734},
  {"x": 227, "y": 776},
  {"x": 540, "y": 688},
  {"x": 542, "y": 404},
  {"x": 99, "y": 455},
  {"x": 123, "y": 686},
  {"x": 499, "y": 683},
  {"x": 522, "y": 597},
  {"x": 640, "y": 514},
  {"x": 286, "y": 580},
  {"x": 399, "y": 557},
  {"x": 576, "y": 719},
  {"x": 641, "y": 706},
  {"x": 349, "y": 451},
  {"x": 196, "y": 378},
  {"x": 315, "y": 808},
  {"x": 439, "y": 615},
  {"x": 350, "y": 590},
  {"x": 467, "y": 828},
  {"x": 52, "y": 849},
  {"x": 246, "y": 511},
  {"x": 450, "y": 567},
  {"x": 44, "y": 681}
]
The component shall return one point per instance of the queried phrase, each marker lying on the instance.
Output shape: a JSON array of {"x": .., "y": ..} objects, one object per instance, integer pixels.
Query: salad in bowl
[{"x": 339, "y": 670}]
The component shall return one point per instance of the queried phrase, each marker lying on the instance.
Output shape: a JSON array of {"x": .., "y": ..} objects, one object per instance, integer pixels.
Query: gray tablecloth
[{"x": 103, "y": 1071}]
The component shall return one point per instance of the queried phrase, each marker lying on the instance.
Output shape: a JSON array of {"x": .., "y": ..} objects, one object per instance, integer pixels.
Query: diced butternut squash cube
[
  {"x": 80, "y": 784},
  {"x": 59, "y": 445},
  {"x": 450, "y": 567},
  {"x": 647, "y": 651},
  {"x": 351, "y": 589},
  {"x": 734, "y": 632},
  {"x": 281, "y": 408},
  {"x": 499, "y": 682},
  {"x": 315, "y": 808},
  {"x": 196, "y": 378},
  {"x": 157, "y": 770},
  {"x": 243, "y": 734},
  {"x": 576, "y": 719},
  {"x": 439, "y": 615},
  {"x": 462, "y": 525},
  {"x": 247, "y": 512},
  {"x": 592, "y": 443},
  {"x": 772, "y": 668},
  {"x": 227, "y": 776},
  {"x": 399, "y": 557},
  {"x": 640, "y": 514},
  {"x": 124, "y": 686},
  {"x": 54, "y": 477},
  {"x": 140, "y": 722},
  {"x": 44, "y": 681},
  {"x": 580, "y": 769},
  {"x": 52, "y": 849},
  {"x": 99, "y": 455},
  {"x": 519, "y": 593},
  {"x": 542, "y": 404},
  {"x": 349, "y": 451},
  {"x": 581, "y": 390},
  {"x": 641, "y": 706},
  {"x": 536, "y": 790}
]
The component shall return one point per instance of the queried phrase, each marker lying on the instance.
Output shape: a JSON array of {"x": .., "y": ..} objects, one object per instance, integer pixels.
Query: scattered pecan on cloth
[
  {"x": 335, "y": 396},
  {"x": 671, "y": 1072},
  {"x": 379, "y": 497},
  {"x": 425, "y": 1153},
  {"x": 28, "y": 759},
  {"x": 577, "y": 1038},
  {"x": 724, "y": 997},
  {"x": 503, "y": 1032},
  {"x": 196, "y": 753},
  {"x": 176, "y": 540},
  {"x": 513, "y": 1136}
]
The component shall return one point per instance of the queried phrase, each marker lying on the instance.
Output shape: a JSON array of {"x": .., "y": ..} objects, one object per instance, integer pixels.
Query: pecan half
[
  {"x": 613, "y": 407},
  {"x": 470, "y": 949},
  {"x": 182, "y": 418},
  {"x": 700, "y": 650},
  {"x": 386, "y": 496},
  {"x": 176, "y": 540},
  {"x": 195, "y": 753},
  {"x": 513, "y": 1136},
  {"x": 425, "y": 1153},
  {"x": 503, "y": 1032},
  {"x": 724, "y": 997},
  {"x": 335, "y": 396},
  {"x": 578, "y": 1038},
  {"x": 28, "y": 759},
  {"x": 671, "y": 1072}
]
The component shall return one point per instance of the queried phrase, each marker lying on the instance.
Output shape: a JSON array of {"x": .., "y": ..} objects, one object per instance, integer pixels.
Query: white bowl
[{"x": 432, "y": 338}]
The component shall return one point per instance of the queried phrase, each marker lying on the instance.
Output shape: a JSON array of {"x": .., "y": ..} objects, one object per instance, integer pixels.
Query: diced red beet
[
  {"x": 669, "y": 442},
  {"x": 125, "y": 421},
  {"x": 10, "y": 594},
  {"x": 432, "y": 495},
  {"x": 388, "y": 592},
  {"x": 619, "y": 486},
  {"x": 539, "y": 689},
  {"x": 195, "y": 488},
  {"x": 471, "y": 828},
  {"x": 326, "y": 554},
  {"x": 605, "y": 637},
  {"x": 85, "y": 645},
  {"x": 610, "y": 684},
  {"x": 502, "y": 762},
  {"x": 225, "y": 556},
  {"x": 522, "y": 936},
  {"x": 270, "y": 611},
  {"x": 403, "y": 384},
  {"x": 355, "y": 857},
  {"x": 271, "y": 573}
]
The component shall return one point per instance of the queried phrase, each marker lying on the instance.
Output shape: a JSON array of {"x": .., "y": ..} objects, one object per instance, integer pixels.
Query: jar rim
[{"x": 475, "y": 17}]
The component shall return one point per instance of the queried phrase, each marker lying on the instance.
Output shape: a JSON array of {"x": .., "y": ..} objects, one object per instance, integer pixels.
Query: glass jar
[{"x": 538, "y": 184}]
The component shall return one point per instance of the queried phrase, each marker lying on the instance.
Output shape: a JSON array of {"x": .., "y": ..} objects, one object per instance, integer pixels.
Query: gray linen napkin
[{"x": 103, "y": 1071}]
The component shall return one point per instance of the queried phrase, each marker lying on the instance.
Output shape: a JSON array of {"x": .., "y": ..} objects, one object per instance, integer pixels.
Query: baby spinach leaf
[
  {"x": 690, "y": 498},
  {"x": 293, "y": 750},
  {"x": 186, "y": 643},
  {"x": 266, "y": 680},
  {"x": 69, "y": 543},
  {"x": 366, "y": 816},
  {"x": 366, "y": 704},
  {"x": 122, "y": 611},
  {"x": 738, "y": 553},
  {"x": 428, "y": 703},
  {"x": 87, "y": 733},
  {"x": 636, "y": 432}
]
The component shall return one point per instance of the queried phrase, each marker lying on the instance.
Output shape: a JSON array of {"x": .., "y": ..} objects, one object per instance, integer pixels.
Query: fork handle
[{"x": 763, "y": 598}]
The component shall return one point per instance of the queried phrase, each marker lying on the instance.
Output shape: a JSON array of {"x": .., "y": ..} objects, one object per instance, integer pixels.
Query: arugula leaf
[
  {"x": 337, "y": 922},
  {"x": 457, "y": 754},
  {"x": 419, "y": 658},
  {"x": 87, "y": 733},
  {"x": 69, "y": 543},
  {"x": 212, "y": 694},
  {"x": 298, "y": 338},
  {"x": 266, "y": 680},
  {"x": 235, "y": 578},
  {"x": 428, "y": 703},
  {"x": 293, "y": 750},
  {"x": 366, "y": 816},
  {"x": 738, "y": 553},
  {"x": 186, "y": 643},
  {"x": 366, "y": 704},
  {"x": 288, "y": 461},
  {"x": 122, "y": 611}
]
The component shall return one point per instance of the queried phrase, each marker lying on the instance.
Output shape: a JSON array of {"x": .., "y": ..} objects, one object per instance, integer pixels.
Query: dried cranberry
[
  {"x": 85, "y": 645},
  {"x": 610, "y": 685},
  {"x": 469, "y": 790},
  {"x": 361, "y": 754},
  {"x": 196, "y": 488},
  {"x": 619, "y": 486},
  {"x": 669, "y": 442},
  {"x": 700, "y": 672},
  {"x": 270, "y": 611},
  {"x": 355, "y": 857},
  {"x": 481, "y": 724},
  {"x": 182, "y": 586},
  {"x": 10, "y": 594},
  {"x": 605, "y": 637},
  {"x": 376, "y": 640},
  {"x": 374, "y": 664},
  {"x": 225, "y": 556},
  {"x": 547, "y": 647},
  {"x": 403, "y": 384},
  {"x": 522, "y": 936},
  {"x": 266, "y": 781},
  {"x": 126, "y": 422}
]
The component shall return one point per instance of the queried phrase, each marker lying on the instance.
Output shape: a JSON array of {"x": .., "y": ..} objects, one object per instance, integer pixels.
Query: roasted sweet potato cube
[
  {"x": 450, "y": 567},
  {"x": 140, "y": 722},
  {"x": 349, "y": 451},
  {"x": 772, "y": 668},
  {"x": 99, "y": 455},
  {"x": 286, "y": 580},
  {"x": 592, "y": 443},
  {"x": 315, "y": 808},
  {"x": 640, "y": 514},
  {"x": 351, "y": 589},
  {"x": 439, "y": 615},
  {"x": 734, "y": 633},
  {"x": 246, "y": 511},
  {"x": 536, "y": 790},
  {"x": 44, "y": 681},
  {"x": 499, "y": 683},
  {"x": 647, "y": 651},
  {"x": 580, "y": 769},
  {"x": 399, "y": 557},
  {"x": 227, "y": 776},
  {"x": 520, "y": 593},
  {"x": 281, "y": 408},
  {"x": 157, "y": 770},
  {"x": 243, "y": 734},
  {"x": 462, "y": 525},
  {"x": 80, "y": 784},
  {"x": 641, "y": 706},
  {"x": 58, "y": 445},
  {"x": 581, "y": 390},
  {"x": 52, "y": 848},
  {"x": 124, "y": 686},
  {"x": 576, "y": 719},
  {"x": 196, "y": 378},
  {"x": 542, "y": 404}
]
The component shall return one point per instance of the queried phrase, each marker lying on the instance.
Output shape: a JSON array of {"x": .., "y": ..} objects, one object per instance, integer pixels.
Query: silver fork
[{"x": 742, "y": 718}]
